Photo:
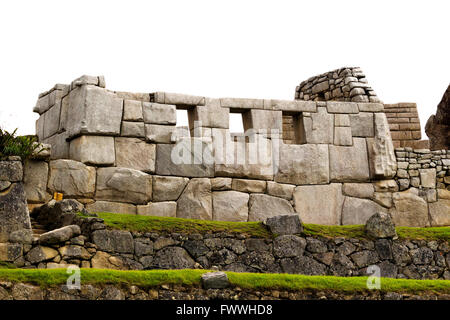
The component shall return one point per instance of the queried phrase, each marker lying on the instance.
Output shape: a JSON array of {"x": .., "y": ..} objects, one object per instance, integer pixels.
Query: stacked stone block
[
  {"x": 121, "y": 147},
  {"x": 404, "y": 124},
  {"x": 345, "y": 84}
]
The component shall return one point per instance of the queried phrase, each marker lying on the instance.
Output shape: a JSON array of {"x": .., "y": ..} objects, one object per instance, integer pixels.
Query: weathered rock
[
  {"x": 280, "y": 190},
  {"x": 94, "y": 150},
  {"x": 230, "y": 206},
  {"x": 312, "y": 209},
  {"x": 359, "y": 190},
  {"x": 428, "y": 178},
  {"x": 364, "y": 258},
  {"x": 285, "y": 224},
  {"x": 192, "y": 158},
  {"x": 382, "y": 161},
  {"x": 440, "y": 213},
  {"x": 35, "y": 181},
  {"x": 302, "y": 265},
  {"x": 123, "y": 184},
  {"x": 11, "y": 171},
  {"x": 159, "y": 113},
  {"x": 23, "y": 236},
  {"x": 13, "y": 211},
  {"x": 358, "y": 211},
  {"x": 135, "y": 154},
  {"x": 215, "y": 280},
  {"x": 437, "y": 127},
  {"x": 319, "y": 128},
  {"x": 10, "y": 252},
  {"x": 74, "y": 252},
  {"x": 159, "y": 133},
  {"x": 132, "y": 110},
  {"x": 422, "y": 256},
  {"x": 168, "y": 188},
  {"x": 113, "y": 241},
  {"x": 72, "y": 178},
  {"x": 93, "y": 110},
  {"x": 349, "y": 163},
  {"x": 262, "y": 206},
  {"x": 245, "y": 185},
  {"x": 38, "y": 254},
  {"x": 212, "y": 115},
  {"x": 287, "y": 246},
  {"x": 160, "y": 209},
  {"x": 343, "y": 136},
  {"x": 103, "y": 260},
  {"x": 221, "y": 184},
  {"x": 362, "y": 124},
  {"x": 196, "y": 202},
  {"x": 5, "y": 185},
  {"x": 114, "y": 207},
  {"x": 173, "y": 258},
  {"x": 59, "y": 235},
  {"x": 303, "y": 164},
  {"x": 409, "y": 210},
  {"x": 55, "y": 214},
  {"x": 132, "y": 129},
  {"x": 380, "y": 225},
  {"x": 22, "y": 291}
]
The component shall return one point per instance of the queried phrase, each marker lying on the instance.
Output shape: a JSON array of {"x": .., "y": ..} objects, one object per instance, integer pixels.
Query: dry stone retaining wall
[
  {"x": 113, "y": 151},
  {"x": 100, "y": 247}
]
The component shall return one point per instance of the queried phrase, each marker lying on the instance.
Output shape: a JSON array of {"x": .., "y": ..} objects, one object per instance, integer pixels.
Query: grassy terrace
[
  {"x": 256, "y": 281},
  {"x": 254, "y": 229}
]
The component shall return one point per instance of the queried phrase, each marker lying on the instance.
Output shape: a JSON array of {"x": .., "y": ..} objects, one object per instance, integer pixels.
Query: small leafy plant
[{"x": 22, "y": 146}]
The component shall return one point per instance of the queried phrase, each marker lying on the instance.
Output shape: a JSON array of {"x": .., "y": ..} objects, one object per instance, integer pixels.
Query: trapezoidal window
[
  {"x": 236, "y": 125},
  {"x": 293, "y": 128}
]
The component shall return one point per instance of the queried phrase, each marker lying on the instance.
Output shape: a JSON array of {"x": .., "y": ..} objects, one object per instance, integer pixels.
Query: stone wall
[
  {"x": 87, "y": 242},
  {"x": 124, "y": 162},
  {"x": 29, "y": 291},
  {"x": 404, "y": 124},
  {"x": 344, "y": 84}
]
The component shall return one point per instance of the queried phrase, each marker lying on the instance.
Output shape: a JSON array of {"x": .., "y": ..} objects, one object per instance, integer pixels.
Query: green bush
[{"x": 22, "y": 146}]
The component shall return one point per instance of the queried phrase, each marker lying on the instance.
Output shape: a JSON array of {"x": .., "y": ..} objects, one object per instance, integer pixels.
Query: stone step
[{"x": 38, "y": 231}]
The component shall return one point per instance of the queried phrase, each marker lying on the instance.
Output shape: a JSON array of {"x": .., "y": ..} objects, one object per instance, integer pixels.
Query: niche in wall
[{"x": 293, "y": 128}]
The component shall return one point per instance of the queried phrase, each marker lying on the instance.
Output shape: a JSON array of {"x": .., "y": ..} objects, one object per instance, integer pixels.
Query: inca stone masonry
[{"x": 335, "y": 155}]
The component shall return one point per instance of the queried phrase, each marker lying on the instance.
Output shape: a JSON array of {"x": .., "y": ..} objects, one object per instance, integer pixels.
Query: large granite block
[
  {"x": 72, "y": 178},
  {"x": 166, "y": 188},
  {"x": 230, "y": 206},
  {"x": 263, "y": 206},
  {"x": 196, "y": 201},
  {"x": 135, "y": 154},
  {"x": 303, "y": 164},
  {"x": 156, "y": 113},
  {"x": 312, "y": 207},
  {"x": 94, "y": 150},
  {"x": 123, "y": 185},
  {"x": 349, "y": 163},
  {"x": 187, "y": 158},
  {"x": 93, "y": 110}
]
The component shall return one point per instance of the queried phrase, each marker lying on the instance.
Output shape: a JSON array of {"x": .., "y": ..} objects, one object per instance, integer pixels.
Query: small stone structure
[
  {"x": 345, "y": 84},
  {"x": 438, "y": 126},
  {"x": 123, "y": 152}
]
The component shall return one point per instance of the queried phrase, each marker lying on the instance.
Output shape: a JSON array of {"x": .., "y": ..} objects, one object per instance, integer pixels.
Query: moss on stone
[{"x": 254, "y": 229}]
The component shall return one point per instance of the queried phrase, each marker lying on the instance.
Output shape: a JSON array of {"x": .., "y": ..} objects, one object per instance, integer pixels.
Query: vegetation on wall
[
  {"x": 187, "y": 277},
  {"x": 254, "y": 229},
  {"x": 13, "y": 145}
]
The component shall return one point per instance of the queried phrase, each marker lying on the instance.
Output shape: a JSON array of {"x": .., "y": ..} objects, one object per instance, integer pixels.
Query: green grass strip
[
  {"x": 256, "y": 281},
  {"x": 254, "y": 229}
]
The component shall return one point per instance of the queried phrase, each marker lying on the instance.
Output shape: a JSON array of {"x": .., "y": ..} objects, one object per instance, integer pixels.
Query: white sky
[{"x": 254, "y": 49}]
